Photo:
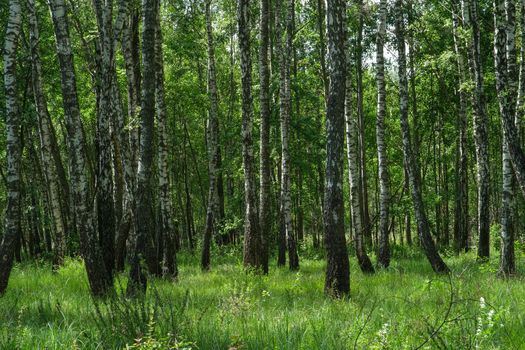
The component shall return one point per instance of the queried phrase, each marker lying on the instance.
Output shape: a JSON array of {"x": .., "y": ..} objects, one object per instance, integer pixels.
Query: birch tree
[
  {"x": 99, "y": 279},
  {"x": 285, "y": 108},
  {"x": 356, "y": 209},
  {"x": 384, "y": 195},
  {"x": 264, "y": 100},
  {"x": 13, "y": 122},
  {"x": 506, "y": 85},
  {"x": 363, "y": 178},
  {"x": 470, "y": 20},
  {"x": 104, "y": 176},
  {"x": 167, "y": 230},
  {"x": 212, "y": 212},
  {"x": 412, "y": 166},
  {"x": 252, "y": 240},
  {"x": 461, "y": 211},
  {"x": 128, "y": 131},
  {"x": 337, "y": 281},
  {"x": 145, "y": 222},
  {"x": 45, "y": 130}
]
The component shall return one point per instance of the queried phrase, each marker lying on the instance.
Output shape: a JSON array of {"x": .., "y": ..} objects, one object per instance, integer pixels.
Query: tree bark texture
[{"x": 337, "y": 281}]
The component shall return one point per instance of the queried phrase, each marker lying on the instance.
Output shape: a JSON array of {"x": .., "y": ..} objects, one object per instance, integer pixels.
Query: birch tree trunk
[
  {"x": 279, "y": 32},
  {"x": 461, "y": 213},
  {"x": 252, "y": 240},
  {"x": 384, "y": 194},
  {"x": 212, "y": 212},
  {"x": 285, "y": 111},
  {"x": 506, "y": 85},
  {"x": 104, "y": 175},
  {"x": 264, "y": 100},
  {"x": 470, "y": 20},
  {"x": 45, "y": 129},
  {"x": 167, "y": 228},
  {"x": 145, "y": 219},
  {"x": 13, "y": 145},
  {"x": 412, "y": 166},
  {"x": 353, "y": 177},
  {"x": 337, "y": 280},
  {"x": 99, "y": 279},
  {"x": 363, "y": 179},
  {"x": 128, "y": 132}
]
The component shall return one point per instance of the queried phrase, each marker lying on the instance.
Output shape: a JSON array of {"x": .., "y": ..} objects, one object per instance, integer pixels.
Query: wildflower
[{"x": 482, "y": 303}]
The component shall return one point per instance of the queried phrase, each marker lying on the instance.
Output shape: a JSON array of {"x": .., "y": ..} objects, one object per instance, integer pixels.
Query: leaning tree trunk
[
  {"x": 285, "y": 111},
  {"x": 45, "y": 129},
  {"x": 212, "y": 212},
  {"x": 167, "y": 226},
  {"x": 384, "y": 194},
  {"x": 425, "y": 237},
  {"x": 337, "y": 280},
  {"x": 252, "y": 240},
  {"x": 145, "y": 219},
  {"x": 352, "y": 129},
  {"x": 470, "y": 19},
  {"x": 13, "y": 147},
  {"x": 461, "y": 211},
  {"x": 99, "y": 279},
  {"x": 505, "y": 63},
  {"x": 264, "y": 98}
]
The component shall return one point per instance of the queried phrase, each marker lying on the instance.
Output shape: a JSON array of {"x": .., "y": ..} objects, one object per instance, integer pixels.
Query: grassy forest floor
[{"x": 406, "y": 306}]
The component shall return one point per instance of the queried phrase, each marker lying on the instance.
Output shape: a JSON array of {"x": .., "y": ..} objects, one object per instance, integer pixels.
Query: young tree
[
  {"x": 252, "y": 239},
  {"x": 384, "y": 194},
  {"x": 264, "y": 100},
  {"x": 145, "y": 223},
  {"x": 470, "y": 20},
  {"x": 212, "y": 212},
  {"x": 412, "y": 166},
  {"x": 12, "y": 219},
  {"x": 99, "y": 279},
  {"x": 46, "y": 130},
  {"x": 337, "y": 280}
]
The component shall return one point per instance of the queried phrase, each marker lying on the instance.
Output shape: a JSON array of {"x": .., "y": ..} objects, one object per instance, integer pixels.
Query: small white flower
[
  {"x": 482, "y": 302},
  {"x": 490, "y": 317}
]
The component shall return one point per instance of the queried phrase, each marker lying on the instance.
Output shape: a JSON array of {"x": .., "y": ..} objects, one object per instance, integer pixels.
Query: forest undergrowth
[{"x": 404, "y": 307}]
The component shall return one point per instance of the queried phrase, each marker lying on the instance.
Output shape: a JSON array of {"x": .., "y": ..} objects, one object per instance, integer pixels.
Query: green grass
[{"x": 404, "y": 307}]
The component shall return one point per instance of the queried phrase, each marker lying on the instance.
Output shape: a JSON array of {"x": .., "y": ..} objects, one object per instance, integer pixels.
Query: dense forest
[{"x": 183, "y": 161}]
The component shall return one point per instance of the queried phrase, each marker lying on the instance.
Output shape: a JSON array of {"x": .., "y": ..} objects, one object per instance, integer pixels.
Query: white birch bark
[
  {"x": 99, "y": 280},
  {"x": 412, "y": 166},
  {"x": 470, "y": 20},
  {"x": 337, "y": 280},
  {"x": 506, "y": 85},
  {"x": 461, "y": 212},
  {"x": 212, "y": 211},
  {"x": 284, "y": 112},
  {"x": 252, "y": 241},
  {"x": 167, "y": 227},
  {"x": 384, "y": 194},
  {"x": 45, "y": 129},
  {"x": 13, "y": 146}
]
